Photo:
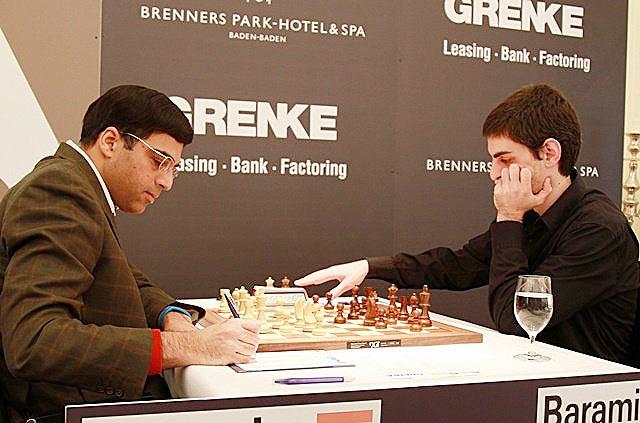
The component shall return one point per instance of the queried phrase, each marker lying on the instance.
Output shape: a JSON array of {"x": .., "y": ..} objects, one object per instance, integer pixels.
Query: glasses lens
[{"x": 166, "y": 166}]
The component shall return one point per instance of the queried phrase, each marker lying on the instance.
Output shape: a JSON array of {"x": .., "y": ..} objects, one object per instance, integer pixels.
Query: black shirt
[{"x": 583, "y": 242}]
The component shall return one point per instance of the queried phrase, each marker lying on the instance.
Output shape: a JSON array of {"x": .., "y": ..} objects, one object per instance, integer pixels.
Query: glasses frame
[{"x": 167, "y": 165}]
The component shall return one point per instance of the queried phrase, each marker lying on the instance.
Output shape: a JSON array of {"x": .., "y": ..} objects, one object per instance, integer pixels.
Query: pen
[
  {"x": 232, "y": 306},
  {"x": 306, "y": 380}
]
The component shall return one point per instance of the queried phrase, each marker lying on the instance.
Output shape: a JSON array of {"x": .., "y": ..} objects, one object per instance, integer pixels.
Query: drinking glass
[{"x": 533, "y": 307}]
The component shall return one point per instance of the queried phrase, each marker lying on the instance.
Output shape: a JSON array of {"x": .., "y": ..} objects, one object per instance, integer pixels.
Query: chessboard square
[
  {"x": 358, "y": 328},
  {"x": 343, "y": 334},
  {"x": 393, "y": 332},
  {"x": 268, "y": 336},
  {"x": 294, "y": 335}
]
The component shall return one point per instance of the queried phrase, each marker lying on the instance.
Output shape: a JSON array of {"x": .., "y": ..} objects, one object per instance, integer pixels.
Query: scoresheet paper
[{"x": 292, "y": 360}]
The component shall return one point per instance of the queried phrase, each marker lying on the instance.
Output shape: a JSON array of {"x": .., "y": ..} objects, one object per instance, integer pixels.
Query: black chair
[
  {"x": 4, "y": 412},
  {"x": 633, "y": 358}
]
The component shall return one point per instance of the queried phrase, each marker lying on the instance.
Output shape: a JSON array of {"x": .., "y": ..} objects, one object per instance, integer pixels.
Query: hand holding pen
[{"x": 232, "y": 341}]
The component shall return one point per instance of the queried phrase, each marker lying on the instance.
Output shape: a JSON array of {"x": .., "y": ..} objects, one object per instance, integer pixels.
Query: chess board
[{"x": 354, "y": 335}]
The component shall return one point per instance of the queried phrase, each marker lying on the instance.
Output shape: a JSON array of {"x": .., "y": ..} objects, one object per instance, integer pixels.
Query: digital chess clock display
[{"x": 287, "y": 296}]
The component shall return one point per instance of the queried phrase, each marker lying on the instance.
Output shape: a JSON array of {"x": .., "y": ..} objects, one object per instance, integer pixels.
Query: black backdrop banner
[{"x": 330, "y": 130}]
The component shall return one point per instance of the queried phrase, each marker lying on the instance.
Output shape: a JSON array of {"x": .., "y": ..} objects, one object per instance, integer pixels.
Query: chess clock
[{"x": 289, "y": 295}]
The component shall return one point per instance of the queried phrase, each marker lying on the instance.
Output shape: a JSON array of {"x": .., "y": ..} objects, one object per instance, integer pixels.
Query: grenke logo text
[
  {"x": 520, "y": 15},
  {"x": 253, "y": 119}
]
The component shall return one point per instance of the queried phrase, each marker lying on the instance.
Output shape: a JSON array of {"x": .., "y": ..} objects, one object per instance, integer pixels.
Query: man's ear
[
  {"x": 107, "y": 141},
  {"x": 551, "y": 152}
]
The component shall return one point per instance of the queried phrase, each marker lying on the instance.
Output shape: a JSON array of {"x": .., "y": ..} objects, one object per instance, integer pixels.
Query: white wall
[
  {"x": 26, "y": 134},
  {"x": 632, "y": 114}
]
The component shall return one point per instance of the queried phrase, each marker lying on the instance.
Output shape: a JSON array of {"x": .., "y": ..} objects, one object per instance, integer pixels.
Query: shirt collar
[
  {"x": 562, "y": 208},
  {"x": 107, "y": 195}
]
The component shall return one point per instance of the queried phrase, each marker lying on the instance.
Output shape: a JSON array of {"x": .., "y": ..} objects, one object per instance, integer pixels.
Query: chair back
[
  {"x": 4, "y": 407},
  {"x": 633, "y": 358}
]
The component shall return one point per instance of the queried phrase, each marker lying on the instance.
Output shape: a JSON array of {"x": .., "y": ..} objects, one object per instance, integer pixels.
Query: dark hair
[
  {"x": 531, "y": 115},
  {"x": 138, "y": 110}
]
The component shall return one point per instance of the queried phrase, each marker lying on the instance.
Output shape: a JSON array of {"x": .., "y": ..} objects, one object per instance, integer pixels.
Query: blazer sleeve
[
  {"x": 52, "y": 231},
  {"x": 154, "y": 299}
]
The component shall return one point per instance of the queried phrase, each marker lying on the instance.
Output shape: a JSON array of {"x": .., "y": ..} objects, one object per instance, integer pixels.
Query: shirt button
[
  {"x": 109, "y": 390},
  {"x": 119, "y": 393}
]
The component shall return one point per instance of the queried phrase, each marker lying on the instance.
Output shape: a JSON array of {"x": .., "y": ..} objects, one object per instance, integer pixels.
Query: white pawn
[
  {"x": 235, "y": 295},
  {"x": 299, "y": 309},
  {"x": 279, "y": 306},
  {"x": 244, "y": 294},
  {"x": 265, "y": 327},
  {"x": 277, "y": 323},
  {"x": 249, "y": 307},
  {"x": 319, "y": 330},
  {"x": 309, "y": 318},
  {"x": 224, "y": 310},
  {"x": 286, "y": 326}
]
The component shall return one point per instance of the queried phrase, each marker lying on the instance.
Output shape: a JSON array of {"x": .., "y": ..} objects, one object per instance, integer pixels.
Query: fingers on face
[
  {"x": 525, "y": 176},
  {"x": 546, "y": 188},
  {"x": 504, "y": 175},
  {"x": 514, "y": 172}
]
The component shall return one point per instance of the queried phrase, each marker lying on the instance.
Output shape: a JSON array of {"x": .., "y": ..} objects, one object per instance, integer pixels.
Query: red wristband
[{"x": 155, "y": 365}]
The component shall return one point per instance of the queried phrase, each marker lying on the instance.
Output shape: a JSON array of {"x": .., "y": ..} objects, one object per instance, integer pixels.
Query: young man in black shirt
[{"x": 548, "y": 222}]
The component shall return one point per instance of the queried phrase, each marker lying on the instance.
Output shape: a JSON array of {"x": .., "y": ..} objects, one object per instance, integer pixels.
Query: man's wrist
[
  {"x": 177, "y": 349},
  {"x": 168, "y": 310},
  {"x": 177, "y": 322},
  {"x": 507, "y": 216}
]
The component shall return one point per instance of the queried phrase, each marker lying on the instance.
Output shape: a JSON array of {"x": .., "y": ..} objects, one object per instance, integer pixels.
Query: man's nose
[
  {"x": 165, "y": 180},
  {"x": 495, "y": 172}
]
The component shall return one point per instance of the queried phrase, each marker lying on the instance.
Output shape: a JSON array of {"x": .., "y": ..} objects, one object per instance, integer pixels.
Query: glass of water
[{"x": 533, "y": 307}]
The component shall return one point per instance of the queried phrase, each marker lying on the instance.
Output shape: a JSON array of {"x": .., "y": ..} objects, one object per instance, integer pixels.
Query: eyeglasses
[{"x": 167, "y": 165}]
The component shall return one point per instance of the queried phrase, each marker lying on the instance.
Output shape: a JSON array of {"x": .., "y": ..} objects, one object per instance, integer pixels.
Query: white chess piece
[
  {"x": 299, "y": 310},
  {"x": 224, "y": 310},
  {"x": 250, "y": 307},
  {"x": 244, "y": 294},
  {"x": 269, "y": 281},
  {"x": 286, "y": 325},
  {"x": 309, "y": 318},
  {"x": 265, "y": 327},
  {"x": 279, "y": 306},
  {"x": 319, "y": 330}
]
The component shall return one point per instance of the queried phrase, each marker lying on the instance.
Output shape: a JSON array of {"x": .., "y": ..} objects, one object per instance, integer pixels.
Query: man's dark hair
[
  {"x": 531, "y": 115},
  {"x": 138, "y": 110}
]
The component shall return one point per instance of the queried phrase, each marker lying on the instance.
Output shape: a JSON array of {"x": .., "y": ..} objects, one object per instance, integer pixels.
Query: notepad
[{"x": 291, "y": 360}]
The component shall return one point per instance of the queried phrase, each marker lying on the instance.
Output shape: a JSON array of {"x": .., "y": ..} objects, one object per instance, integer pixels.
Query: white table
[
  {"x": 446, "y": 374},
  {"x": 445, "y": 383},
  {"x": 489, "y": 361}
]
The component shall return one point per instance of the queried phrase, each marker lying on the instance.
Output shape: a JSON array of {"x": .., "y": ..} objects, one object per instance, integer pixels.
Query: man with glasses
[{"x": 78, "y": 322}]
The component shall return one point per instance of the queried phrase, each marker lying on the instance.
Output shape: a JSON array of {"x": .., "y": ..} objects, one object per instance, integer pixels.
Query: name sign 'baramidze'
[
  {"x": 611, "y": 402},
  {"x": 519, "y": 15},
  {"x": 253, "y": 119}
]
